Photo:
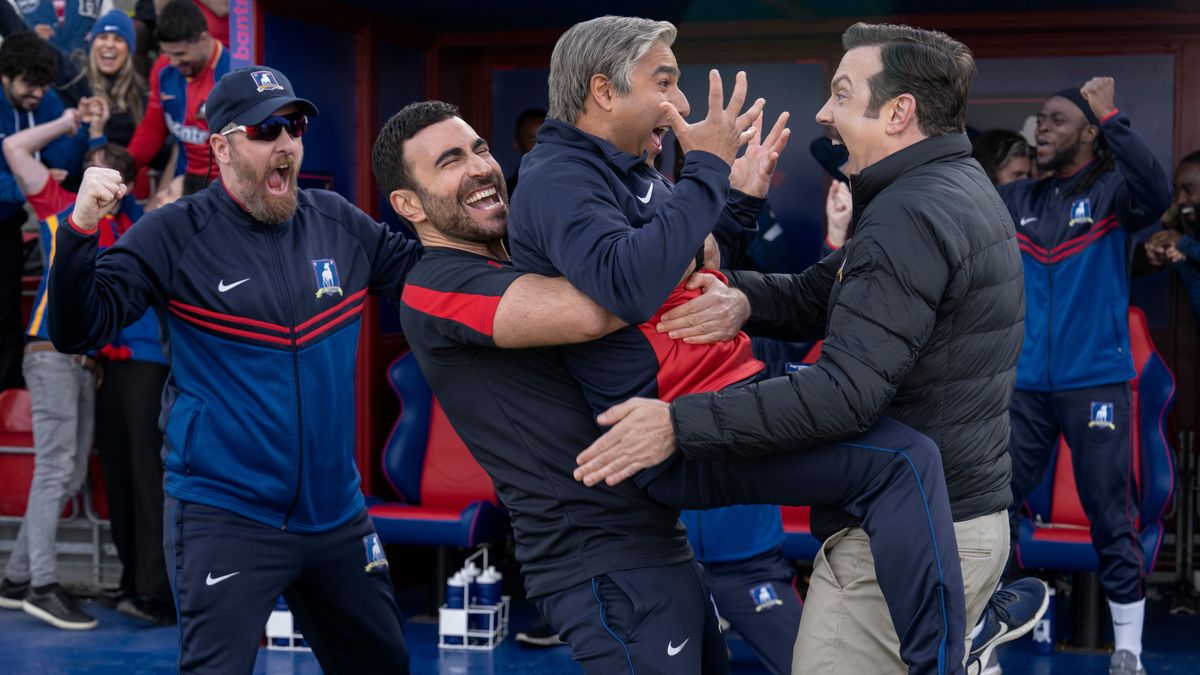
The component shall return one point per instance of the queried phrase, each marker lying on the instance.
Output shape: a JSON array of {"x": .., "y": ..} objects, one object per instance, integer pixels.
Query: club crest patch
[
  {"x": 265, "y": 80},
  {"x": 328, "y": 281},
  {"x": 1101, "y": 415},
  {"x": 1081, "y": 212},
  {"x": 764, "y": 597},
  {"x": 376, "y": 560}
]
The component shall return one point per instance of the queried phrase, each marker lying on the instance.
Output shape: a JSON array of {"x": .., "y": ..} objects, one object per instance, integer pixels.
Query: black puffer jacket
[{"x": 922, "y": 314}]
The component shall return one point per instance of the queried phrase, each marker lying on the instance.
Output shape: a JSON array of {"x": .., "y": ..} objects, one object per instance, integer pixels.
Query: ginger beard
[
  {"x": 477, "y": 213},
  {"x": 269, "y": 193}
]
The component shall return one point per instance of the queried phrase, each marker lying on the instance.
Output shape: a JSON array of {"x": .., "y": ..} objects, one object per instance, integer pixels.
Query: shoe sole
[
  {"x": 539, "y": 641},
  {"x": 976, "y": 664},
  {"x": 9, "y": 603},
  {"x": 54, "y": 620}
]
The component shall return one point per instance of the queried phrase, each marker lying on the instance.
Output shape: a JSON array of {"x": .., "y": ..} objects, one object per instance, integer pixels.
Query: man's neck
[
  {"x": 599, "y": 127},
  {"x": 1081, "y": 160},
  {"x": 431, "y": 238},
  {"x": 888, "y": 148}
]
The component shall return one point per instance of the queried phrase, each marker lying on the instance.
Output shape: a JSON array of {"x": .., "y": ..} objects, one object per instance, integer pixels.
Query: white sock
[{"x": 1127, "y": 626}]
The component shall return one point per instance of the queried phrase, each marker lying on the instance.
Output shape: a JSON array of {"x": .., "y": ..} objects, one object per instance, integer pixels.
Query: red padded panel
[
  {"x": 16, "y": 474},
  {"x": 1065, "y": 508},
  {"x": 16, "y": 470},
  {"x": 16, "y": 422},
  {"x": 99, "y": 488},
  {"x": 405, "y": 512},
  {"x": 1141, "y": 345},
  {"x": 451, "y": 478},
  {"x": 1063, "y": 535},
  {"x": 814, "y": 353},
  {"x": 795, "y": 519}
]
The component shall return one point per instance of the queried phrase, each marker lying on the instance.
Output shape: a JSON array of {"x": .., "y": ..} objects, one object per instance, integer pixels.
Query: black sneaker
[
  {"x": 539, "y": 635},
  {"x": 58, "y": 609},
  {"x": 12, "y": 594},
  {"x": 143, "y": 608}
]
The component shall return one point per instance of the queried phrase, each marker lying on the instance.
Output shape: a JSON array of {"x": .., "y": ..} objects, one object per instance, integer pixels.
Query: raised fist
[
  {"x": 1100, "y": 93},
  {"x": 99, "y": 192}
]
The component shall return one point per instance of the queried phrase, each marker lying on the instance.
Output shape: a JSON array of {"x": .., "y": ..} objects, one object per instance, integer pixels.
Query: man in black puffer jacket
[{"x": 922, "y": 313}]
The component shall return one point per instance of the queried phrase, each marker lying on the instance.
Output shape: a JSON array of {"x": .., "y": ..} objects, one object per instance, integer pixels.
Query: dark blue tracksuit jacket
[
  {"x": 263, "y": 326},
  {"x": 1076, "y": 249}
]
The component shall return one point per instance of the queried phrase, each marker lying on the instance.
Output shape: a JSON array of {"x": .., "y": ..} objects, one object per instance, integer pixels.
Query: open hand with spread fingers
[
  {"x": 751, "y": 173},
  {"x": 723, "y": 131}
]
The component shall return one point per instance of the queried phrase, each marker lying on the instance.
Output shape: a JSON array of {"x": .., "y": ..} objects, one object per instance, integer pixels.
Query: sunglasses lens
[{"x": 268, "y": 129}]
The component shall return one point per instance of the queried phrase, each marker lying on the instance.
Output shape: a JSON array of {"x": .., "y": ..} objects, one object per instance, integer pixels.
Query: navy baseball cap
[{"x": 250, "y": 95}]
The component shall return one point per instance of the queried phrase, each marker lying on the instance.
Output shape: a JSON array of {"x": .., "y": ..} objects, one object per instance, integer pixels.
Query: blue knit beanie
[{"x": 117, "y": 22}]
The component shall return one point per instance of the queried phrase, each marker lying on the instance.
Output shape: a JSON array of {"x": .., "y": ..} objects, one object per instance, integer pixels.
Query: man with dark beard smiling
[
  {"x": 1073, "y": 375},
  {"x": 261, "y": 285}
]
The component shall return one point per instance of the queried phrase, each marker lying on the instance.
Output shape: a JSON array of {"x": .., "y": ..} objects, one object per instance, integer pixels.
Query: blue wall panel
[{"x": 320, "y": 63}]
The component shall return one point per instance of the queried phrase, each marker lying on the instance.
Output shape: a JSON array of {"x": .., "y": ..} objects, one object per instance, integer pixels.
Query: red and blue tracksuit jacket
[
  {"x": 175, "y": 107},
  {"x": 64, "y": 152},
  {"x": 263, "y": 324},
  {"x": 141, "y": 340},
  {"x": 1076, "y": 249}
]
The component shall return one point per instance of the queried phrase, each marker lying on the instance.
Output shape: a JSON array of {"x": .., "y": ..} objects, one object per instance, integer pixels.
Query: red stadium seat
[
  {"x": 16, "y": 455},
  {"x": 448, "y": 498},
  {"x": 1054, "y": 530}
]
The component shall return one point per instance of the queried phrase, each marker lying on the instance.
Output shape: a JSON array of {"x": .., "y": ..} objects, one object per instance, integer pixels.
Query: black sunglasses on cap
[{"x": 268, "y": 130}]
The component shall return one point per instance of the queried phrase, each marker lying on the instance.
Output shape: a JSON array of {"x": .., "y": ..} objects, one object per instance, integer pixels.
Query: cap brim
[{"x": 264, "y": 109}]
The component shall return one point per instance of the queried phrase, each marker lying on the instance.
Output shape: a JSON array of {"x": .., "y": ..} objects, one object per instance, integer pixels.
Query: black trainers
[
  {"x": 539, "y": 635},
  {"x": 58, "y": 609},
  {"x": 141, "y": 607},
  {"x": 12, "y": 594}
]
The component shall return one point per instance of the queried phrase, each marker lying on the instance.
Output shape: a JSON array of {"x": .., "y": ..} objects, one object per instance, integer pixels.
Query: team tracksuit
[
  {"x": 1075, "y": 365},
  {"x": 263, "y": 491}
]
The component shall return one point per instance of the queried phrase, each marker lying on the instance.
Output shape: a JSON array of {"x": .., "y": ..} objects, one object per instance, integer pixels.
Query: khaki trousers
[{"x": 846, "y": 627}]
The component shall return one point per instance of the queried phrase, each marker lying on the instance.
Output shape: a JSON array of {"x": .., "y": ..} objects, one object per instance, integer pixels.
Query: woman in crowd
[{"x": 1004, "y": 155}]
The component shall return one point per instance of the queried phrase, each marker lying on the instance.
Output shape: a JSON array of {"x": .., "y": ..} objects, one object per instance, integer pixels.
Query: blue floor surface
[{"x": 124, "y": 645}]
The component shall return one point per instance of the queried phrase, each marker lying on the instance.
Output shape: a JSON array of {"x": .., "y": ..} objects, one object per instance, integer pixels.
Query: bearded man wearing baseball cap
[{"x": 261, "y": 285}]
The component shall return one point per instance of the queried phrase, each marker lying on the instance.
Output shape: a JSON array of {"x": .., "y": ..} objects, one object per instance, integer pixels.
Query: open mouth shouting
[
  {"x": 279, "y": 179},
  {"x": 656, "y": 139}
]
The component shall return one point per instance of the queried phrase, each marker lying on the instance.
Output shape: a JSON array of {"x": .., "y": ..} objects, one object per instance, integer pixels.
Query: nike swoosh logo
[
  {"x": 1026, "y": 221},
  {"x": 672, "y": 650},
  {"x": 222, "y": 286},
  {"x": 213, "y": 581},
  {"x": 646, "y": 200}
]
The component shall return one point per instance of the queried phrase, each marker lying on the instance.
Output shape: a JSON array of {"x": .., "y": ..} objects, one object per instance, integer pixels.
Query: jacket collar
[
  {"x": 872, "y": 180},
  {"x": 561, "y": 133}
]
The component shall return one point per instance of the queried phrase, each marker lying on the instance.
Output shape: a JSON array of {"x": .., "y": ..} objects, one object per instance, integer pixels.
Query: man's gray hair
[{"x": 609, "y": 46}]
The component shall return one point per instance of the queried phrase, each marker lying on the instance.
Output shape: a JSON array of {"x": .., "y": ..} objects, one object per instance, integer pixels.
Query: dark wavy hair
[
  {"x": 30, "y": 57},
  {"x": 387, "y": 156}
]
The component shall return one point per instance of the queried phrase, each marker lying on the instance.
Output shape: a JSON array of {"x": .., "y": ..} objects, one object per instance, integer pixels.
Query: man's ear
[
  {"x": 1090, "y": 133},
  {"x": 601, "y": 92},
  {"x": 407, "y": 204},
  {"x": 903, "y": 114},
  {"x": 219, "y": 144}
]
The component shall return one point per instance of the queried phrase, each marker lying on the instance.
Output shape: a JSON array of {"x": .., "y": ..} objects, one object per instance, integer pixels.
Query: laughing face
[
  {"x": 109, "y": 53},
  {"x": 638, "y": 122},
  {"x": 460, "y": 185},
  {"x": 848, "y": 117},
  {"x": 265, "y": 172}
]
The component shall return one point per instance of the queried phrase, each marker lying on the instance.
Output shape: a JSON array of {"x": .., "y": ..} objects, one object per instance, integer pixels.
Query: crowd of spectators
[{"x": 120, "y": 85}]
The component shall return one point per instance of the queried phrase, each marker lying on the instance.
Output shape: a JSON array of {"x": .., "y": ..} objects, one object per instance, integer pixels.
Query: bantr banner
[{"x": 241, "y": 33}]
